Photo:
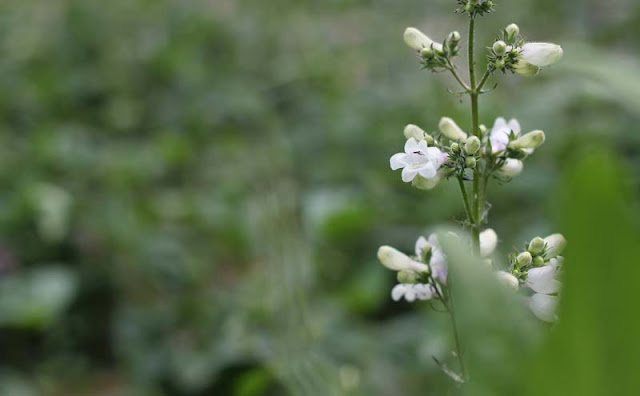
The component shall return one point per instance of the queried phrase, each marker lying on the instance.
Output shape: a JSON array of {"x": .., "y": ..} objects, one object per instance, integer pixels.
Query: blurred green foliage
[{"x": 192, "y": 191}]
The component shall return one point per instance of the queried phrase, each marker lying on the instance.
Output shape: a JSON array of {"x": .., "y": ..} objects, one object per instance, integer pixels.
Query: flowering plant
[{"x": 474, "y": 157}]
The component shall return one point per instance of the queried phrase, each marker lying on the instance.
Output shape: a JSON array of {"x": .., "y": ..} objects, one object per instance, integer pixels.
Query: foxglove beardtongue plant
[{"x": 474, "y": 156}]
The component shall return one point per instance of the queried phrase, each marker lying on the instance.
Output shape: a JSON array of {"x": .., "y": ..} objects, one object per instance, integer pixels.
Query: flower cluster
[
  {"x": 428, "y": 158},
  {"x": 423, "y": 276}
]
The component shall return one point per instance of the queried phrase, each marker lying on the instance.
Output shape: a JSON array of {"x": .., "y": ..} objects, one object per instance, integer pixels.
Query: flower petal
[
  {"x": 544, "y": 306},
  {"x": 514, "y": 126},
  {"x": 543, "y": 280},
  {"x": 408, "y": 174},
  {"x": 427, "y": 171},
  {"x": 398, "y": 161},
  {"x": 420, "y": 244},
  {"x": 411, "y": 146},
  {"x": 541, "y": 54},
  {"x": 398, "y": 291}
]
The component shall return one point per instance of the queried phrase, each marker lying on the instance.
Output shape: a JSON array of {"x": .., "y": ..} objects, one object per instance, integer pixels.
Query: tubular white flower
[
  {"x": 488, "y": 242},
  {"x": 418, "y": 159},
  {"x": 508, "y": 280},
  {"x": 543, "y": 306},
  {"x": 541, "y": 54},
  {"x": 511, "y": 168},
  {"x": 555, "y": 244},
  {"x": 472, "y": 145},
  {"x": 417, "y": 40},
  {"x": 525, "y": 68},
  {"x": 398, "y": 261},
  {"x": 451, "y": 130},
  {"x": 411, "y": 292},
  {"x": 531, "y": 140},
  {"x": 414, "y": 131}
]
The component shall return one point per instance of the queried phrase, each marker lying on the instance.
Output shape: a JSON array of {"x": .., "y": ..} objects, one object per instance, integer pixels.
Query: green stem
[
  {"x": 455, "y": 74},
  {"x": 456, "y": 338},
  {"x": 475, "y": 130},
  {"x": 483, "y": 80}
]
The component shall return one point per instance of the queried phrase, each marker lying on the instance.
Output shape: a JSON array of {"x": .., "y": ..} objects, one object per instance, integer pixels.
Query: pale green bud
[
  {"x": 525, "y": 68},
  {"x": 555, "y": 245},
  {"x": 421, "y": 183},
  {"x": 429, "y": 139},
  {"x": 472, "y": 145},
  {"x": 414, "y": 131},
  {"x": 470, "y": 162},
  {"x": 483, "y": 130},
  {"x": 524, "y": 258},
  {"x": 536, "y": 246},
  {"x": 530, "y": 140},
  {"x": 538, "y": 261},
  {"x": 455, "y": 147},
  {"x": 451, "y": 130},
  {"x": 499, "y": 63},
  {"x": 500, "y": 47},
  {"x": 512, "y": 31},
  {"x": 427, "y": 53},
  {"x": 398, "y": 261},
  {"x": 407, "y": 277},
  {"x": 454, "y": 37}
]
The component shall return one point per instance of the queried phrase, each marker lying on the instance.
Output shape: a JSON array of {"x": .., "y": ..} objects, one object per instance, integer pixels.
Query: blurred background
[{"x": 192, "y": 192}]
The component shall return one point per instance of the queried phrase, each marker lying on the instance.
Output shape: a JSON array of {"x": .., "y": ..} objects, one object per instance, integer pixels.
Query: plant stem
[
  {"x": 483, "y": 80},
  {"x": 465, "y": 200},
  {"x": 473, "y": 93},
  {"x": 453, "y": 71}
]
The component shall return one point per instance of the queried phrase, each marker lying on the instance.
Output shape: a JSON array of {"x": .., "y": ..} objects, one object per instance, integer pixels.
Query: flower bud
[
  {"x": 454, "y": 38},
  {"x": 421, "y": 183},
  {"x": 500, "y": 47},
  {"x": 508, "y": 280},
  {"x": 525, "y": 68},
  {"x": 530, "y": 140},
  {"x": 541, "y": 54},
  {"x": 483, "y": 130},
  {"x": 472, "y": 145},
  {"x": 488, "y": 242},
  {"x": 427, "y": 53},
  {"x": 523, "y": 259},
  {"x": 512, "y": 31},
  {"x": 451, "y": 130},
  {"x": 398, "y": 261},
  {"x": 536, "y": 246},
  {"x": 455, "y": 147},
  {"x": 499, "y": 63},
  {"x": 470, "y": 162},
  {"x": 429, "y": 139},
  {"x": 555, "y": 245},
  {"x": 414, "y": 131},
  {"x": 418, "y": 40},
  {"x": 407, "y": 277},
  {"x": 511, "y": 168},
  {"x": 538, "y": 261}
]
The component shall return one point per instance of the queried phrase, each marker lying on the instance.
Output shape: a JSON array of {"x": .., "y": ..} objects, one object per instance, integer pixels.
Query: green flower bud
[
  {"x": 429, "y": 139},
  {"x": 470, "y": 162},
  {"x": 555, "y": 245},
  {"x": 398, "y": 261},
  {"x": 536, "y": 246},
  {"x": 499, "y": 63},
  {"x": 451, "y": 130},
  {"x": 407, "y": 277},
  {"x": 524, "y": 258},
  {"x": 427, "y": 53},
  {"x": 472, "y": 145},
  {"x": 512, "y": 31},
  {"x": 483, "y": 130},
  {"x": 538, "y": 261},
  {"x": 500, "y": 48},
  {"x": 454, "y": 37},
  {"x": 455, "y": 147},
  {"x": 421, "y": 183},
  {"x": 530, "y": 140}
]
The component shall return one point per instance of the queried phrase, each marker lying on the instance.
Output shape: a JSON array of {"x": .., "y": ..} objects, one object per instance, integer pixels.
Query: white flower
[
  {"x": 418, "y": 159},
  {"x": 418, "y": 40},
  {"x": 398, "y": 261},
  {"x": 543, "y": 281},
  {"x": 511, "y": 168},
  {"x": 526, "y": 69},
  {"x": 451, "y": 130},
  {"x": 541, "y": 54},
  {"x": 508, "y": 280},
  {"x": 499, "y": 134},
  {"x": 488, "y": 242},
  {"x": 411, "y": 292}
]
